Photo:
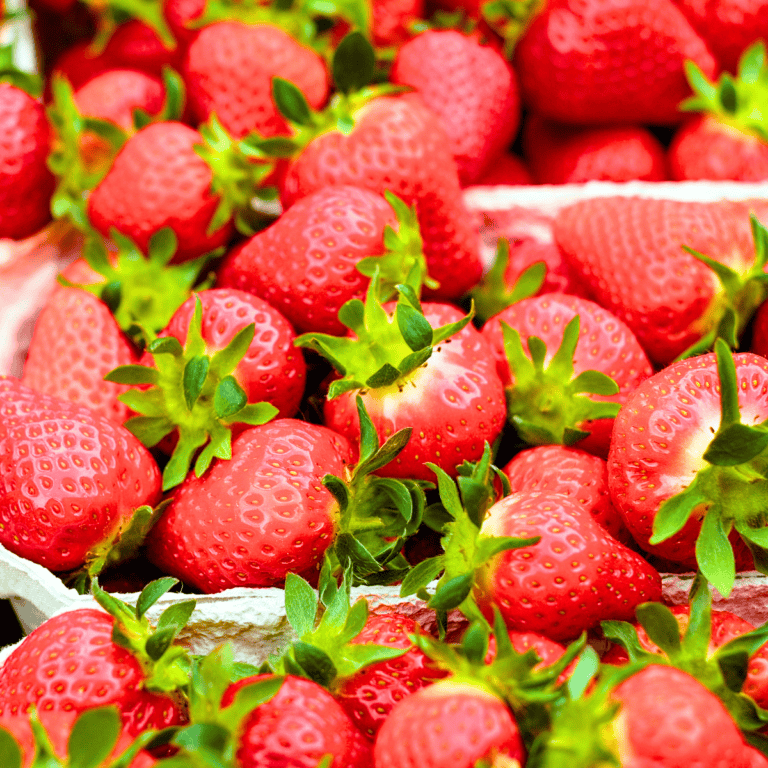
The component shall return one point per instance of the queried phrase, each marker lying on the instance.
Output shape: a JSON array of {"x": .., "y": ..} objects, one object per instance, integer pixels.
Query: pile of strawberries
[{"x": 280, "y": 362}]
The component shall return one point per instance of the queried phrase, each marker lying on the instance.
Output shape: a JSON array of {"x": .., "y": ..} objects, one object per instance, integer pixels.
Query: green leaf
[
  {"x": 453, "y": 593},
  {"x": 714, "y": 553},
  {"x": 229, "y": 398},
  {"x": 474, "y": 644},
  {"x": 149, "y": 430},
  {"x": 736, "y": 444},
  {"x": 166, "y": 345},
  {"x": 315, "y": 662},
  {"x": 594, "y": 383},
  {"x": 586, "y": 668},
  {"x": 133, "y": 375},
  {"x": 415, "y": 328},
  {"x": 256, "y": 413},
  {"x": 193, "y": 379},
  {"x": 226, "y": 360},
  {"x": 674, "y": 513},
  {"x": 421, "y": 575},
  {"x": 93, "y": 737},
  {"x": 661, "y": 625},
  {"x": 751, "y": 63},
  {"x": 10, "y": 752},
  {"x": 355, "y": 621},
  {"x": 729, "y": 387},
  {"x": 290, "y": 102},
  {"x": 176, "y": 616},
  {"x": 152, "y": 593},
  {"x": 300, "y": 604},
  {"x": 488, "y": 546},
  {"x": 449, "y": 493},
  {"x": 699, "y": 82},
  {"x": 353, "y": 63},
  {"x": 369, "y": 438}
]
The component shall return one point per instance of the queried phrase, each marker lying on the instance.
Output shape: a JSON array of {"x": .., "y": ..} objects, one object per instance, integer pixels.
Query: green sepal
[
  {"x": 353, "y": 63},
  {"x": 111, "y": 13},
  {"x": 10, "y": 752},
  {"x": 549, "y": 405},
  {"x": 29, "y": 82},
  {"x": 291, "y": 102}
]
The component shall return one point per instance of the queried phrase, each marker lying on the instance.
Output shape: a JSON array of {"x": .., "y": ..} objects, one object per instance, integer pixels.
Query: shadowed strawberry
[
  {"x": 729, "y": 140},
  {"x": 571, "y": 394},
  {"x": 439, "y": 380},
  {"x": 88, "y": 658},
  {"x": 694, "y": 490}
]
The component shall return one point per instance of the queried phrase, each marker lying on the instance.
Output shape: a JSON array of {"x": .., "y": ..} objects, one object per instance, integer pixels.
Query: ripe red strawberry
[
  {"x": 26, "y": 184},
  {"x": 78, "y": 64},
  {"x": 224, "y": 77},
  {"x": 369, "y": 695},
  {"x": 305, "y": 263},
  {"x": 70, "y": 479},
  {"x": 439, "y": 381},
  {"x": 451, "y": 724},
  {"x": 602, "y": 343},
  {"x": 137, "y": 45},
  {"x": 73, "y": 663},
  {"x": 666, "y": 719},
  {"x": 573, "y": 473},
  {"x": 470, "y": 87},
  {"x": 508, "y": 170},
  {"x": 609, "y": 241},
  {"x": 675, "y": 473},
  {"x": 397, "y": 145},
  {"x": 560, "y": 154},
  {"x": 728, "y": 26},
  {"x": 576, "y": 576},
  {"x": 76, "y": 342},
  {"x": 730, "y": 139},
  {"x": 608, "y": 61},
  {"x": 251, "y": 520},
  {"x": 392, "y": 20},
  {"x": 298, "y": 726}
]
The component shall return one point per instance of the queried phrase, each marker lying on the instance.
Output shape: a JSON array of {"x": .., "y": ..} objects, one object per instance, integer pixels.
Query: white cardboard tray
[{"x": 254, "y": 619}]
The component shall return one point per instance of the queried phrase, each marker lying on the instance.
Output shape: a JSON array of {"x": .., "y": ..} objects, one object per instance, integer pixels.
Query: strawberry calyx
[
  {"x": 10, "y": 73},
  {"x": 376, "y": 514},
  {"x": 730, "y": 491},
  {"x": 77, "y": 174},
  {"x": 722, "y": 672},
  {"x": 549, "y": 405},
  {"x": 465, "y": 550},
  {"x": 492, "y": 294},
  {"x": 510, "y": 19},
  {"x": 325, "y": 623},
  {"x": 111, "y": 13},
  {"x": 736, "y": 101},
  {"x": 214, "y": 731},
  {"x": 386, "y": 347},
  {"x": 192, "y": 392},
  {"x": 142, "y": 292},
  {"x": 740, "y": 296},
  {"x": 166, "y": 665}
]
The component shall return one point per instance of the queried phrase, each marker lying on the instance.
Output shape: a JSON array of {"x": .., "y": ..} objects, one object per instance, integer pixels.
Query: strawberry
[
  {"x": 729, "y": 140},
  {"x": 728, "y": 26},
  {"x": 137, "y": 45},
  {"x": 575, "y": 576},
  {"x": 305, "y": 263},
  {"x": 608, "y": 61},
  {"x": 573, "y": 473},
  {"x": 581, "y": 342},
  {"x": 71, "y": 479},
  {"x": 224, "y": 77},
  {"x": 26, "y": 184},
  {"x": 686, "y": 489},
  {"x": 508, "y": 170},
  {"x": 392, "y": 20},
  {"x": 87, "y": 658},
  {"x": 664, "y": 718},
  {"x": 388, "y": 143},
  {"x": 283, "y": 519},
  {"x": 78, "y": 64},
  {"x": 450, "y": 724},
  {"x": 441, "y": 381},
  {"x": 560, "y": 154},
  {"x": 369, "y": 695},
  {"x": 470, "y": 87},
  {"x": 608, "y": 240}
]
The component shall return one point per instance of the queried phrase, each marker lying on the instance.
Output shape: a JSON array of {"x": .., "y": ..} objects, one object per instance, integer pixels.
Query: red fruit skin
[
  {"x": 470, "y": 87},
  {"x": 223, "y": 76},
  {"x": 157, "y": 180},
  {"x": 398, "y": 145},
  {"x": 574, "y": 473},
  {"x": 304, "y": 264},
  {"x": 508, "y": 170},
  {"x": 609, "y": 61},
  {"x": 136, "y": 45},
  {"x": 296, "y": 728},
  {"x": 68, "y": 477},
  {"x": 250, "y": 521},
  {"x": 78, "y": 64},
  {"x": 273, "y": 370},
  {"x": 605, "y": 344},
  {"x": 560, "y": 154},
  {"x": 454, "y": 403},
  {"x": 448, "y": 725},
  {"x": 760, "y": 331},
  {"x": 609, "y": 241},
  {"x": 659, "y": 438},
  {"x": 181, "y": 15},
  {"x": 391, "y": 20},
  {"x": 728, "y": 26},
  {"x": 76, "y": 342},
  {"x": 669, "y": 719},
  {"x": 575, "y": 577},
  {"x": 705, "y": 148},
  {"x": 26, "y": 184},
  {"x": 68, "y": 665},
  {"x": 369, "y": 695}
]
